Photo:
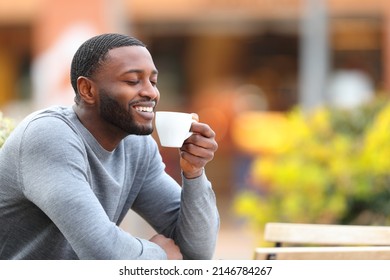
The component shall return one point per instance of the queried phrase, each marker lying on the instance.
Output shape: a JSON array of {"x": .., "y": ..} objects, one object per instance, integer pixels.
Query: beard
[{"x": 112, "y": 112}]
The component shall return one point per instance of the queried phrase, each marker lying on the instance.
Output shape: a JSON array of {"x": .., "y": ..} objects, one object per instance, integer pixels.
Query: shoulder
[
  {"x": 49, "y": 118},
  {"x": 52, "y": 126}
]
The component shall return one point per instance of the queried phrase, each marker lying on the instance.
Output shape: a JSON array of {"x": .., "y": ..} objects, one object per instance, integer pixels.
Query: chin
[{"x": 140, "y": 130}]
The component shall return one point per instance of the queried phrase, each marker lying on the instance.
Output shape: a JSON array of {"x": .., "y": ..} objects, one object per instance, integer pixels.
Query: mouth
[{"x": 145, "y": 109}]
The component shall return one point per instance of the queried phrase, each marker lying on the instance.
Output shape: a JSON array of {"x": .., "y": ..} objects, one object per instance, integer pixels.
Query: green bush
[{"x": 334, "y": 168}]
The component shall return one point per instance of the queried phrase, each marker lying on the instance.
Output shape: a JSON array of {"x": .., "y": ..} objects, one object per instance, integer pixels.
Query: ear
[{"x": 87, "y": 90}]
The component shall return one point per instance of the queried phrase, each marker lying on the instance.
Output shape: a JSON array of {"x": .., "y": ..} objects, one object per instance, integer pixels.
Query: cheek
[
  {"x": 124, "y": 94},
  {"x": 157, "y": 94}
]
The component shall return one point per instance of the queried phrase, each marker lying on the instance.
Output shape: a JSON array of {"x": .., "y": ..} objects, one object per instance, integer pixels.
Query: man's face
[{"x": 127, "y": 89}]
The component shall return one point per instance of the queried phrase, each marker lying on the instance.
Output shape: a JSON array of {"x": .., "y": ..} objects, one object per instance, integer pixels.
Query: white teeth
[{"x": 144, "y": 109}]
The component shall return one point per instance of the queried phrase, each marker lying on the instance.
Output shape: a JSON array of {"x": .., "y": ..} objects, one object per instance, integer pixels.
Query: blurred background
[{"x": 296, "y": 91}]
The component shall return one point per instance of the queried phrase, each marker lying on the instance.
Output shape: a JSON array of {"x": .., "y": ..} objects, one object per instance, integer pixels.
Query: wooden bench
[{"x": 325, "y": 242}]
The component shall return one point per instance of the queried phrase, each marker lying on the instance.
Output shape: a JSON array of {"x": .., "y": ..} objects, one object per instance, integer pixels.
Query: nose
[{"x": 150, "y": 90}]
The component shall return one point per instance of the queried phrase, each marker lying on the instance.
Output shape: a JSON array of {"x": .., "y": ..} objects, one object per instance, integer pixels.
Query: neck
[{"x": 106, "y": 134}]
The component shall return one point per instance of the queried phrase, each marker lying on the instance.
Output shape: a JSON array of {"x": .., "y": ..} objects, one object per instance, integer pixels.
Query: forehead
[{"x": 129, "y": 58}]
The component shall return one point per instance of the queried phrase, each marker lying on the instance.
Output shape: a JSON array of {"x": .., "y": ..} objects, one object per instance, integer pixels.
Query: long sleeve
[
  {"x": 63, "y": 196},
  {"x": 188, "y": 215},
  {"x": 199, "y": 219},
  {"x": 55, "y": 176}
]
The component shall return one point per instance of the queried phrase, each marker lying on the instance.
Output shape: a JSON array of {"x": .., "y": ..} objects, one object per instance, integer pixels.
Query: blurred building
[{"x": 217, "y": 57}]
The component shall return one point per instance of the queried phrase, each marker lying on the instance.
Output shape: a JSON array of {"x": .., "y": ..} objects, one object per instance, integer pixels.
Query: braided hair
[{"x": 90, "y": 55}]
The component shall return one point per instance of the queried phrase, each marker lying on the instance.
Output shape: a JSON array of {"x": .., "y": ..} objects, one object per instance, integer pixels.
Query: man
[{"x": 68, "y": 176}]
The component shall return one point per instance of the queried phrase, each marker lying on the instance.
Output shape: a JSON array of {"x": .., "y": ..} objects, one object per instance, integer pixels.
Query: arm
[
  {"x": 54, "y": 175},
  {"x": 188, "y": 214},
  {"x": 199, "y": 219},
  {"x": 199, "y": 205}
]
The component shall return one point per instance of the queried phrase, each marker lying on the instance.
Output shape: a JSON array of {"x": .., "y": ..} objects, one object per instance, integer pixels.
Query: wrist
[{"x": 193, "y": 175}]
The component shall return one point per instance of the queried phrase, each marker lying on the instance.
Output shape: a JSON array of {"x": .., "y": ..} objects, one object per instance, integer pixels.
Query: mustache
[{"x": 144, "y": 101}]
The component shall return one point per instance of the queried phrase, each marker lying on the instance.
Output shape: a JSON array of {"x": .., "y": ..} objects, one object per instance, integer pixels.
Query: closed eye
[{"x": 132, "y": 82}]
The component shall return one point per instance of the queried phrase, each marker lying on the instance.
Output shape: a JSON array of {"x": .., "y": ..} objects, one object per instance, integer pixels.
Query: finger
[
  {"x": 203, "y": 129},
  {"x": 195, "y": 116},
  {"x": 195, "y": 161},
  {"x": 200, "y": 141},
  {"x": 203, "y": 150},
  {"x": 198, "y": 152}
]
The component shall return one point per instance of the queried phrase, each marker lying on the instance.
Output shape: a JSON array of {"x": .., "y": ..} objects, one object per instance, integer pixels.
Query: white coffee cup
[{"x": 173, "y": 128}]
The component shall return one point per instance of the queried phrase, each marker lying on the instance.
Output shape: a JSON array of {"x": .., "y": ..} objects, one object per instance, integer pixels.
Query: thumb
[{"x": 195, "y": 116}]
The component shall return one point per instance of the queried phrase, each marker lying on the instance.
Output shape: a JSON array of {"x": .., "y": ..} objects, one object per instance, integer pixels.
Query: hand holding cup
[{"x": 195, "y": 140}]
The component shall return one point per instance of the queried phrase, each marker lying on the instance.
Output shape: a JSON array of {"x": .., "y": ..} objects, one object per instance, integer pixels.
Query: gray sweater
[{"x": 62, "y": 196}]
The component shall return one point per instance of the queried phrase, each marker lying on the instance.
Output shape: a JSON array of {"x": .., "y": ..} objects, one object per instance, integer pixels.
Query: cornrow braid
[{"x": 92, "y": 52}]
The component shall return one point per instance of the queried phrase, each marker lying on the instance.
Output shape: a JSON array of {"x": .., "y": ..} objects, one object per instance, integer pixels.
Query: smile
[{"x": 144, "y": 109}]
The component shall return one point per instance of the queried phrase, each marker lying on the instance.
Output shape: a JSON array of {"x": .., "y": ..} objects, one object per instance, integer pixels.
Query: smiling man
[{"x": 68, "y": 176}]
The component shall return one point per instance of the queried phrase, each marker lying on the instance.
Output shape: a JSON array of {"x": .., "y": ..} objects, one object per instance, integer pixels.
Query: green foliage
[
  {"x": 335, "y": 168},
  {"x": 6, "y": 126}
]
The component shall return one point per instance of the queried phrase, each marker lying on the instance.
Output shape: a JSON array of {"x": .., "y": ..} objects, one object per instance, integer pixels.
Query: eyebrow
[{"x": 139, "y": 71}]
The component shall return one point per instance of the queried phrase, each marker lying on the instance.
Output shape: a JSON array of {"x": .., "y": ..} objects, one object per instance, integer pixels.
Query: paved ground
[{"x": 235, "y": 243}]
